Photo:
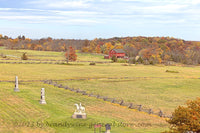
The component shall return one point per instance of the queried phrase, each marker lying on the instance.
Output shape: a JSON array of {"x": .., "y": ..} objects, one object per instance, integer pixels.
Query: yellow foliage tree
[
  {"x": 108, "y": 47},
  {"x": 119, "y": 47},
  {"x": 186, "y": 118},
  {"x": 85, "y": 49}
]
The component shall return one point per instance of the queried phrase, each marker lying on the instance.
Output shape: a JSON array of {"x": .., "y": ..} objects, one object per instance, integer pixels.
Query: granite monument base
[
  {"x": 16, "y": 89},
  {"x": 79, "y": 116},
  {"x": 43, "y": 102}
]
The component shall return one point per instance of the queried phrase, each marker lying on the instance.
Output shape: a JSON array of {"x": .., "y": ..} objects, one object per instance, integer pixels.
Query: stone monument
[
  {"x": 42, "y": 100},
  {"x": 79, "y": 112},
  {"x": 16, "y": 89}
]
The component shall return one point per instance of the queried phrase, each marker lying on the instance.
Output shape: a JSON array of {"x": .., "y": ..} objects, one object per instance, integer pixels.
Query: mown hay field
[{"x": 21, "y": 112}]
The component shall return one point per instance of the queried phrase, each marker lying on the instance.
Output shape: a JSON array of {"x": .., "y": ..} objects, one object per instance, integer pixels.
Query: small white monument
[
  {"x": 79, "y": 112},
  {"x": 16, "y": 89},
  {"x": 42, "y": 100}
]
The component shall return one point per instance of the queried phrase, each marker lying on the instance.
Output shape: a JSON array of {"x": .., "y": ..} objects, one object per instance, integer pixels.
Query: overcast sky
[{"x": 89, "y": 19}]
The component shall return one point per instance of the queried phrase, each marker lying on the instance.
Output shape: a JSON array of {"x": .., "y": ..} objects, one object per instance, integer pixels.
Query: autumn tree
[
  {"x": 19, "y": 37},
  {"x": 186, "y": 118},
  {"x": 24, "y": 56},
  {"x": 85, "y": 47},
  {"x": 98, "y": 49},
  {"x": 23, "y": 37},
  {"x": 108, "y": 46},
  {"x": 131, "y": 50},
  {"x": 118, "y": 46},
  {"x": 86, "y": 43},
  {"x": 63, "y": 47},
  {"x": 5, "y": 37},
  {"x": 93, "y": 45},
  {"x": 70, "y": 54},
  {"x": 146, "y": 53}
]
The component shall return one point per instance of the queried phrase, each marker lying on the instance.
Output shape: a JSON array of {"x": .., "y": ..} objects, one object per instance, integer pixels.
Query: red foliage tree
[
  {"x": 70, "y": 54},
  {"x": 98, "y": 49}
]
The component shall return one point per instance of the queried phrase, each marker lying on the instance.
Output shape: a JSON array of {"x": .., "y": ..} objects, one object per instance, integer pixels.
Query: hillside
[{"x": 151, "y": 50}]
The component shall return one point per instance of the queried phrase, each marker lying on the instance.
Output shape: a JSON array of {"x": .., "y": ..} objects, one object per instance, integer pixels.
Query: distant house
[{"x": 119, "y": 53}]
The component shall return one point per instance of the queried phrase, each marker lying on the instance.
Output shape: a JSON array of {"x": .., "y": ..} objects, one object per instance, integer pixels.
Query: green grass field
[
  {"x": 150, "y": 86},
  {"x": 151, "y": 93}
]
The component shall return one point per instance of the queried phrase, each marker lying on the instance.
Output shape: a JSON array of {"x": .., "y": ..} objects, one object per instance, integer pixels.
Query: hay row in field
[
  {"x": 33, "y": 59},
  {"x": 120, "y": 102},
  {"x": 31, "y": 62},
  {"x": 44, "y": 55},
  {"x": 124, "y": 78},
  {"x": 97, "y": 78},
  {"x": 21, "y": 81}
]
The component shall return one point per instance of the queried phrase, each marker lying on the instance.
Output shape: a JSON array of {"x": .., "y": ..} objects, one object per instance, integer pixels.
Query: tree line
[
  {"x": 43, "y": 44},
  {"x": 146, "y": 50}
]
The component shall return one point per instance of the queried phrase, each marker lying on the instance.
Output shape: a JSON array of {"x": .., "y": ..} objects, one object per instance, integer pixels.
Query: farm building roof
[{"x": 119, "y": 50}]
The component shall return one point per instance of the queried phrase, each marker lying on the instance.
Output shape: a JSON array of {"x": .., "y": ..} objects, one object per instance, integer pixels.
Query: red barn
[{"x": 119, "y": 53}]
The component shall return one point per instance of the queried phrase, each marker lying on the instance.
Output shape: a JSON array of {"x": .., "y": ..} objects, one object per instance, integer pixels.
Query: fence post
[
  {"x": 105, "y": 98},
  {"x": 160, "y": 113},
  {"x": 121, "y": 102},
  {"x": 113, "y": 101},
  {"x": 140, "y": 108},
  {"x": 130, "y": 106},
  {"x": 150, "y": 111}
]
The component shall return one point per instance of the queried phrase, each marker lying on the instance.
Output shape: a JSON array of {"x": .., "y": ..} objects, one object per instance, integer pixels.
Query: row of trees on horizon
[{"x": 151, "y": 50}]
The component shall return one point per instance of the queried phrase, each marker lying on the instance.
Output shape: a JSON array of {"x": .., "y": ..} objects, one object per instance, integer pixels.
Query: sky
[{"x": 89, "y": 19}]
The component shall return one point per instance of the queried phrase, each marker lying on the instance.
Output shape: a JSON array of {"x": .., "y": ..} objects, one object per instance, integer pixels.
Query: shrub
[
  {"x": 125, "y": 65},
  {"x": 140, "y": 60},
  {"x": 114, "y": 58},
  {"x": 24, "y": 57},
  {"x": 146, "y": 62},
  {"x": 132, "y": 60},
  {"x": 151, "y": 62},
  {"x": 122, "y": 61},
  {"x": 169, "y": 71},
  {"x": 3, "y": 56},
  {"x": 92, "y": 63}
]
